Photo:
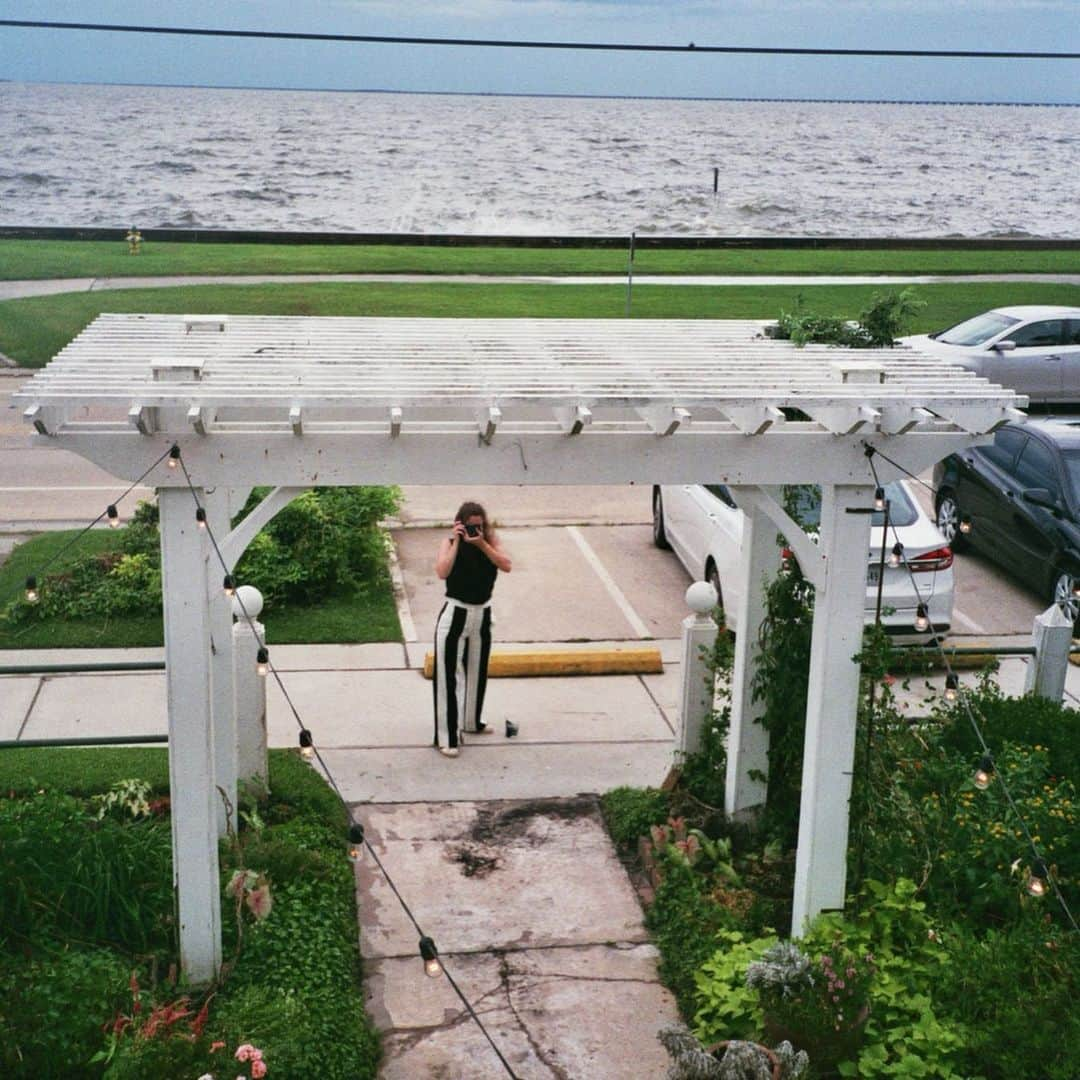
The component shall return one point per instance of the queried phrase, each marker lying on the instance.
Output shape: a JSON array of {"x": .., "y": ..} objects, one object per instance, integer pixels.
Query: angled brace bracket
[
  {"x": 40, "y": 418},
  {"x": 753, "y": 419},
  {"x": 572, "y": 420},
  {"x": 664, "y": 419},
  {"x": 487, "y": 420},
  {"x": 199, "y": 419},
  {"x": 296, "y": 419},
  {"x": 900, "y": 419},
  {"x": 811, "y": 557},
  {"x": 142, "y": 418},
  {"x": 395, "y": 421}
]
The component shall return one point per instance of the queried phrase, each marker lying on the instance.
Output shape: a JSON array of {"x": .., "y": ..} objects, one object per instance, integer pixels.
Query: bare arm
[
  {"x": 448, "y": 549},
  {"x": 493, "y": 551}
]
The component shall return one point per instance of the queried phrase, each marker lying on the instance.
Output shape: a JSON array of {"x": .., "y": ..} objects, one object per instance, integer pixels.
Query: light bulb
[
  {"x": 922, "y": 619},
  {"x": 262, "y": 661},
  {"x": 984, "y": 774},
  {"x": 32, "y": 595},
  {"x": 952, "y": 687},
  {"x": 896, "y": 556},
  {"x": 432, "y": 967},
  {"x": 965, "y": 524},
  {"x": 1037, "y": 885},
  {"x": 200, "y": 516},
  {"x": 307, "y": 745},
  {"x": 879, "y": 498},
  {"x": 114, "y": 517},
  {"x": 229, "y": 585},
  {"x": 174, "y": 456},
  {"x": 356, "y": 842}
]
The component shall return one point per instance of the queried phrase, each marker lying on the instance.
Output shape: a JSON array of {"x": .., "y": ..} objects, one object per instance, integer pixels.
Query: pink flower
[
  {"x": 216, "y": 1046},
  {"x": 260, "y": 902},
  {"x": 839, "y": 984},
  {"x": 244, "y": 1052},
  {"x": 258, "y": 1068},
  {"x": 235, "y": 888}
]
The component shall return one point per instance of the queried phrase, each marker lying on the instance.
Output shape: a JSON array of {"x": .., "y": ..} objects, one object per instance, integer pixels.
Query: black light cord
[
  {"x": 333, "y": 782},
  {"x": 510, "y": 43},
  {"x": 965, "y": 699}
]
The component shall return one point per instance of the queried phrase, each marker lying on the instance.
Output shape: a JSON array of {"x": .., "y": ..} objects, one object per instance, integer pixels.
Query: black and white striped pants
[{"x": 462, "y": 648}]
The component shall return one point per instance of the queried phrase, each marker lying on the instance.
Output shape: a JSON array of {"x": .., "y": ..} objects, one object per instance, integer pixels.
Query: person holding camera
[{"x": 469, "y": 560}]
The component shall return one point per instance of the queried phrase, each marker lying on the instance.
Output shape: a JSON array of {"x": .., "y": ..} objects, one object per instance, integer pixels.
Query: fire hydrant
[{"x": 134, "y": 239}]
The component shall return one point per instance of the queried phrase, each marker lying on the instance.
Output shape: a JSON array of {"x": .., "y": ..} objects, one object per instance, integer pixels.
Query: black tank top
[{"x": 472, "y": 577}]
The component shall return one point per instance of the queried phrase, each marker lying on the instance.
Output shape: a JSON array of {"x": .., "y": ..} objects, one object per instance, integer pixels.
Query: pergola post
[
  {"x": 223, "y": 700},
  {"x": 188, "y": 679},
  {"x": 832, "y": 704},
  {"x": 748, "y": 741}
]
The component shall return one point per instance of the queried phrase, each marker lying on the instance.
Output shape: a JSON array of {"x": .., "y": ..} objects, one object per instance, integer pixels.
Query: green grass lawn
[
  {"x": 34, "y": 329},
  {"x": 25, "y": 259},
  {"x": 364, "y": 617}
]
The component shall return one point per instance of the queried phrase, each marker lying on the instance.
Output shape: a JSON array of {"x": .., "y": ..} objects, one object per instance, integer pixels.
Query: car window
[
  {"x": 1044, "y": 332},
  {"x": 1072, "y": 333},
  {"x": 721, "y": 492},
  {"x": 976, "y": 331},
  {"x": 902, "y": 510},
  {"x": 1036, "y": 468},
  {"x": 1071, "y": 458},
  {"x": 1002, "y": 451}
]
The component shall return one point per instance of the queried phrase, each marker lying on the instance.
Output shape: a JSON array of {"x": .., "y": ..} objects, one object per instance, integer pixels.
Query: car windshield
[
  {"x": 902, "y": 510},
  {"x": 978, "y": 330}
]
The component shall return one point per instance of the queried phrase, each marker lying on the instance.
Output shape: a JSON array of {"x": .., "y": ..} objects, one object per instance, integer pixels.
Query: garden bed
[{"x": 88, "y": 984}]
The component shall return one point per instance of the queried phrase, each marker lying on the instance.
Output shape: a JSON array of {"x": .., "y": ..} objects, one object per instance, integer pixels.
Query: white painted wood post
[
  {"x": 698, "y": 637},
  {"x": 191, "y": 736},
  {"x": 832, "y": 704},
  {"x": 748, "y": 741},
  {"x": 221, "y": 662},
  {"x": 1052, "y": 633},
  {"x": 252, "y": 762}
]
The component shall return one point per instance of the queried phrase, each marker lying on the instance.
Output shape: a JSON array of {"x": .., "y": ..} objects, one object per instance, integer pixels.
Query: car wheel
[
  {"x": 948, "y": 521},
  {"x": 1065, "y": 596},
  {"x": 659, "y": 537}
]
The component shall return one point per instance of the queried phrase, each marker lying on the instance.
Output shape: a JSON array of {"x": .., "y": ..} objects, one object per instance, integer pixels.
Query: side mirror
[
  {"x": 1041, "y": 497},
  {"x": 1004, "y": 346}
]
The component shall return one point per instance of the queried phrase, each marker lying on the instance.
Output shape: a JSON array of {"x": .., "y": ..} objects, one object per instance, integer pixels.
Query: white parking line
[
  {"x": 614, "y": 591},
  {"x": 969, "y": 624}
]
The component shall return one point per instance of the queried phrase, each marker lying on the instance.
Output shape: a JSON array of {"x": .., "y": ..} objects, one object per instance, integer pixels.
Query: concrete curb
[{"x": 504, "y": 665}]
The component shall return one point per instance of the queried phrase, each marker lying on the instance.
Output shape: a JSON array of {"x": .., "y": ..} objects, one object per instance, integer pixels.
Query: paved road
[{"x": 10, "y": 290}]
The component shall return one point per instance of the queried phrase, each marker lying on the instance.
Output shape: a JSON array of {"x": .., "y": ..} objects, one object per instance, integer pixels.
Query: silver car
[
  {"x": 1034, "y": 350},
  {"x": 703, "y": 526}
]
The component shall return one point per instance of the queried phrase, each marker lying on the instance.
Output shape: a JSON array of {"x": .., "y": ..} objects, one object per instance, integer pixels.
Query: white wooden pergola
[{"x": 295, "y": 402}]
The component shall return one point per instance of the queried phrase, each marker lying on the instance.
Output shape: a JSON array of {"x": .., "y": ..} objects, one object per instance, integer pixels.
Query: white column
[
  {"x": 832, "y": 703},
  {"x": 191, "y": 737},
  {"x": 698, "y": 679},
  {"x": 748, "y": 741},
  {"x": 1052, "y": 633},
  {"x": 252, "y": 762},
  {"x": 221, "y": 661}
]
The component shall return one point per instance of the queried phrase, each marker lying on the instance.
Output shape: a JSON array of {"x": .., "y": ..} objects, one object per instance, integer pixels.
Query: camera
[{"x": 472, "y": 530}]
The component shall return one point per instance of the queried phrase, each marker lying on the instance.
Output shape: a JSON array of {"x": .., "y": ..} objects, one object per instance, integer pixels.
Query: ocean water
[{"x": 374, "y": 162}]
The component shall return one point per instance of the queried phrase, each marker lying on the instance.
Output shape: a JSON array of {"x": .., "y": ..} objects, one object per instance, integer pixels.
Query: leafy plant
[
  {"x": 629, "y": 812},
  {"x": 129, "y": 798},
  {"x": 886, "y": 318}
]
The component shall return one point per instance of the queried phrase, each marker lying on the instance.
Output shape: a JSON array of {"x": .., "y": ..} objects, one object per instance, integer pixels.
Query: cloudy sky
[{"x": 1015, "y": 25}]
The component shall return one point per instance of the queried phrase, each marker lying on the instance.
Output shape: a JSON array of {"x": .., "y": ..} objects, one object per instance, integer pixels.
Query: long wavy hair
[{"x": 474, "y": 509}]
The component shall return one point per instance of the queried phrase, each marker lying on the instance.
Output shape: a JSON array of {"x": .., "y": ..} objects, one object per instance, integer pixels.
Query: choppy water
[{"x": 369, "y": 162}]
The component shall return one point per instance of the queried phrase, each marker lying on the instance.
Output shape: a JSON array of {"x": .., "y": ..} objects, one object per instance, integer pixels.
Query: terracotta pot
[{"x": 718, "y": 1049}]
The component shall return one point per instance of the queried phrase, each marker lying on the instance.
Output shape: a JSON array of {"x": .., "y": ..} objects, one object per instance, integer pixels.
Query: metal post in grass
[
  {"x": 630, "y": 272},
  {"x": 1052, "y": 632},
  {"x": 252, "y": 762}
]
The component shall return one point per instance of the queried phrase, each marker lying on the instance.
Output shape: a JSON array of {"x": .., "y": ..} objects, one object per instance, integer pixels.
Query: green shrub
[
  {"x": 629, "y": 811},
  {"x": 886, "y": 318},
  {"x": 684, "y": 922},
  {"x": 52, "y": 1008},
  {"x": 62, "y": 870},
  {"x": 81, "y": 770}
]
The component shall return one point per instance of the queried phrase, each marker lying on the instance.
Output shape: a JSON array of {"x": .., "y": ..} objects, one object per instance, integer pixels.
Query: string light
[
  {"x": 32, "y": 595},
  {"x": 879, "y": 498},
  {"x": 952, "y": 686},
  {"x": 356, "y": 842},
  {"x": 229, "y": 585},
  {"x": 432, "y": 967},
  {"x": 307, "y": 745},
  {"x": 896, "y": 556},
  {"x": 965, "y": 524},
  {"x": 114, "y": 516},
  {"x": 200, "y": 516},
  {"x": 1037, "y": 883},
  {"x": 262, "y": 661},
  {"x": 922, "y": 619},
  {"x": 174, "y": 456},
  {"x": 984, "y": 774}
]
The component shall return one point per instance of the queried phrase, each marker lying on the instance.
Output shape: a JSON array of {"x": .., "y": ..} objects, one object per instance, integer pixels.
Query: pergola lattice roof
[{"x": 537, "y": 379}]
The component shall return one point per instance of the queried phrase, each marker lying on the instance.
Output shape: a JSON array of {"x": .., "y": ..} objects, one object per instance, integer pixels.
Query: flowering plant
[{"x": 245, "y": 1053}]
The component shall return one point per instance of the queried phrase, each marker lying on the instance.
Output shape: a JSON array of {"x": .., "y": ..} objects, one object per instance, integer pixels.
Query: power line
[{"x": 512, "y": 43}]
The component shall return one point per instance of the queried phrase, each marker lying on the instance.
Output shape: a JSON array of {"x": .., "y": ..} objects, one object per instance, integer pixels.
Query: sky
[{"x": 1017, "y": 25}]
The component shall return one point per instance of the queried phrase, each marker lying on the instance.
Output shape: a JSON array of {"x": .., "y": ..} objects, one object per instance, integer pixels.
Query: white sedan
[
  {"x": 704, "y": 527},
  {"x": 1034, "y": 350}
]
